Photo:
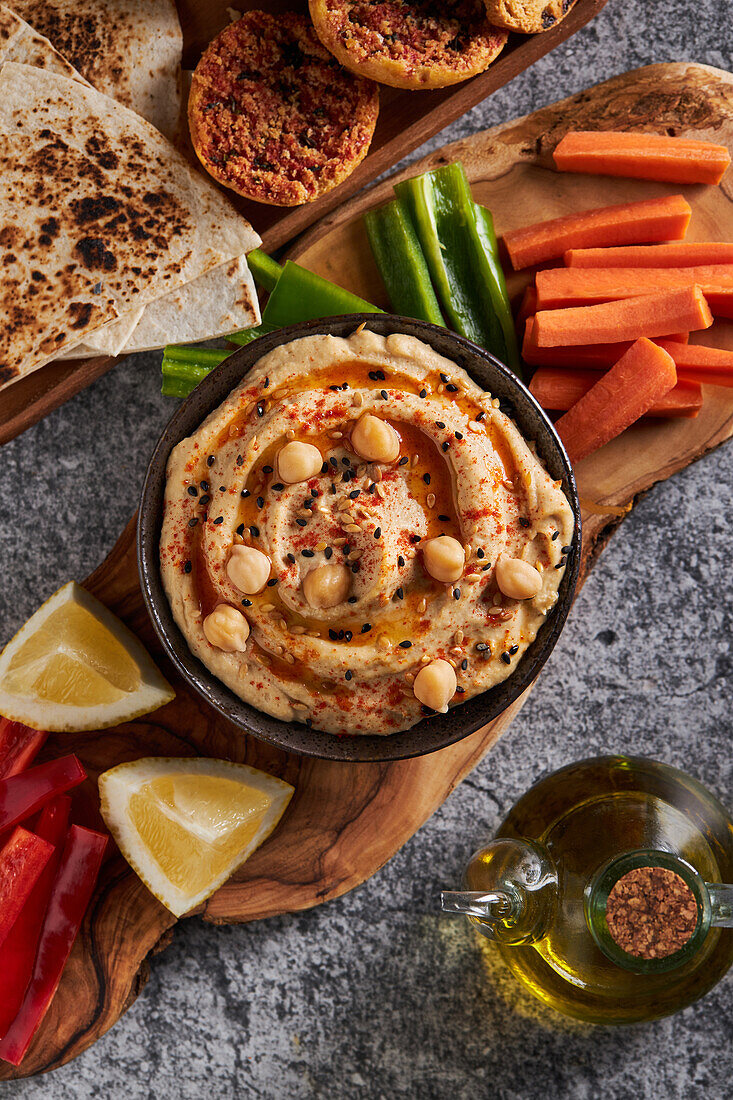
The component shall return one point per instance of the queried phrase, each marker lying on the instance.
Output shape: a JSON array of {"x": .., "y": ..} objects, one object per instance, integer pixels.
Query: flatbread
[
  {"x": 100, "y": 215},
  {"x": 222, "y": 301},
  {"x": 20, "y": 42},
  {"x": 128, "y": 49}
]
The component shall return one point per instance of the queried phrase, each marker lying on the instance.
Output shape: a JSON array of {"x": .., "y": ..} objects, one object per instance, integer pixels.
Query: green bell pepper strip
[
  {"x": 447, "y": 226},
  {"x": 247, "y": 335},
  {"x": 401, "y": 262},
  {"x": 493, "y": 272},
  {"x": 265, "y": 270},
  {"x": 300, "y": 295}
]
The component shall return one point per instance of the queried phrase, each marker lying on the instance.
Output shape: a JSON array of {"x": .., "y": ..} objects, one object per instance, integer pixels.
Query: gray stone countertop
[{"x": 376, "y": 995}]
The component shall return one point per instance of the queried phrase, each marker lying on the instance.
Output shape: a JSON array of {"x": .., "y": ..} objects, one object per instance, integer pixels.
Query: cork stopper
[{"x": 651, "y": 912}]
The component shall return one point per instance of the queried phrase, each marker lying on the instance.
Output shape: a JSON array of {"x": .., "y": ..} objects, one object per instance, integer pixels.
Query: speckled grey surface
[{"x": 375, "y": 995}]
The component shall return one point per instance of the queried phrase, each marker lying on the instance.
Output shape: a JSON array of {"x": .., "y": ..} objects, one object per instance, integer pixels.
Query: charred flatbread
[
  {"x": 273, "y": 115},
  {"x": 99, "y": 213},
  {"x": 409, "y": 43},
  {"x": 128, "y": 49}
]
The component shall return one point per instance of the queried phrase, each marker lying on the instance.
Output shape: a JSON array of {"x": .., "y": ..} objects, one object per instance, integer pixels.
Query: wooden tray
[
  {"x": 406, "y": 120},
  {"x": 347, "y": 820}
]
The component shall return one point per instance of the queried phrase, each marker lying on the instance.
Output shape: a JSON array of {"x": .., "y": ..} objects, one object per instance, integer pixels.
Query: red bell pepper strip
[
  {"x": 21, "y": 795},
  {"x": 18, "y": 952},
  {"x": 19, "y": 746},
  {"x": 72, "y": 891},
  {"x": 22, "y": 859}
]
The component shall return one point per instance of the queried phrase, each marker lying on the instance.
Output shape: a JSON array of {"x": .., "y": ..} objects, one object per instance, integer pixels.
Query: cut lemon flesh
[
  {"x": 75, "y": 666},
  {"x": 186, "y": 825}
]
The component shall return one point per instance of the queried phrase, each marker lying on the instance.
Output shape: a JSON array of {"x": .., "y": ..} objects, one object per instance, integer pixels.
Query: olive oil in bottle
[{"x": 605, "y": 892}]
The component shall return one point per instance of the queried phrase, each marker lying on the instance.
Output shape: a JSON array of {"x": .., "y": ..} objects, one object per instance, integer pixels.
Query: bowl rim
[{"x": 192, "y": 411}]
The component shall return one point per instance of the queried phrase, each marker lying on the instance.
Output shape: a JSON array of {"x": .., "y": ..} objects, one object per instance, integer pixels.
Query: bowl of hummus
[{"x": 359, "y": 538}]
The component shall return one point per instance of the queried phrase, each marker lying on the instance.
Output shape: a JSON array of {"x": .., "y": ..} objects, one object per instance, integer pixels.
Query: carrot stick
[
  {"x": 594, "y": 356},
  {"x": 619, "y": 398},
  {"x": 527, "y": 306},
  {"x": 641, "y": 156},
  {"x": 559, "y": 287},
  {"x": 696, "y": 363},
  {"x": 662, "y": 219},
  {"x": 607, "y": 323},
  {"x": 559, "y": 388},
  {"x": 679, "y": 254}
]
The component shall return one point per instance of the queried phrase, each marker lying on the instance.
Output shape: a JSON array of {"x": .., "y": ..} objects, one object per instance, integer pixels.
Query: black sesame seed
[
  {"x": 346, "y": 461},
  {"x": 272, "y": 582},
  {"x": 554, "y": 535},
  {"x": 365, "y": 628},
  {"x": 400, "y": 594},
  {"x": 446, "y": 445},
  {"x": 403, "y": 461},
  {"x": 524, "y": 522},
  {"x": 328, "y": 552},
  {"x": 426, "y": 478},
  {"x": 211, "y": 460},
  {"x": 373, "y": 375},
  {"x": 309, "y": 503},
  {"x": 334, "y": 388},
  {"x": 384, "y": 395},
  {"x": 193, "y": 491},
  {"x": 481, "y": 647},
  {"x": 219, "y": 519},
  {"x": 333, "y": 461},
  {"x": 480, "y": 552},
  {"x": 351, "y": 599},
  {"x": 314, "y": 493},
  {"x": 451, "y": 388},
  {"x": 260, "y": 502},
  {"x": 354, "y": 494},
  {"x": 205, "y": 486},
  {"x": 324, "y": 468},
  {"x": 444, "y": 378},
  {"x": 372, "y": 487},
  {"x": 267, "y": 469},
  {"x": 355, "y": 567},
  {"x": 341, "y": 635},
  {"x": 423, "y": 393},
  {"x": 266, "y": 383},
  {"x": 481, "y": 415},
  {"x": 415, "y": 538},
  {"x": 187, "y": 567},
  {"x": 485, "y": 567},
  {"x": 333, "y": 635},
  {"x": 400, "y": 561},
  {"x": 333, "y": 488},
  {"x": 405, "y": 645},
  {"x": 514, "y": 649},
  {"x": 506, "y": 658},
  {"x": 193, "y": 521},
  {"x": 426, "y": 710},
  {"x": 464, "y": 664},
  {"x": 348, "y": 674},
  {"x": 244, "y": 494},
  {"x": 301, "y": 522},
  {"x": 291, "y": 558},
  {"x": 278, "y": 486},
  {"x": 377, "y": 532},
  {"x": 254, "y": 532},
  {"x": 458, "y": 435},
  {"x": 240, "y": 460},
  {"x": 348, "y": 635},
  {"x": 561, "y": 564},
  {"x": 566, "y": 549},
  {"x": 346, "y": 550},
  {"x": 260, "y": 409},
  {"x": 246, "y": 603},
  {"x": 222, "y": 488},
  {"x": 460, "y": 691},
  {"x": 456, "y": 593},
  {"x": 439, "y": 424},
  {"x": 204, "y": 500},
  {"x": 240, "y": 529},
  {"x": 309, "y": 722},
  {"x": 444, "y": 519},
  {"x": 308, "y": 554}
]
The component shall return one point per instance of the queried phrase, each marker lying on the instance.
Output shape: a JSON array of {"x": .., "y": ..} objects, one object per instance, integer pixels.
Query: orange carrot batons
[
  {"x": 618, "y": 399},
  {"x": 641, "y": 156},
  {"x": 677, "y": 254},
  {"x": 574, "y": 286},
  {"x": 662, "y": 219},
  {"x": 593, "y": 356},
  {"x": 610, "y": 322},
  {"x": 559, "y": 388}
]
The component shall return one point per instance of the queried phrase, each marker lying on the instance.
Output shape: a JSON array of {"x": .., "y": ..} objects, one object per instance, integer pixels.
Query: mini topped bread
[
  {"x": 527, "y": 16},
  {"x": 410, "y": 44},
  {"x": 274, "y": 116}
]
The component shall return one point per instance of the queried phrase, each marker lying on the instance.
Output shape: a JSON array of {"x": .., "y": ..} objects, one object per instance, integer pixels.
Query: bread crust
[
  {"x": 528, "y": 16},
  {"x": 272, "y": 114},
  {"x": 412, "y": 44}
]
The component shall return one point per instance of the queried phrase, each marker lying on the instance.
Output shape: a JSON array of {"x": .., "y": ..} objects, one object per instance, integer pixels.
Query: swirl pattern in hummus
[{"x": 463, "y": 471}]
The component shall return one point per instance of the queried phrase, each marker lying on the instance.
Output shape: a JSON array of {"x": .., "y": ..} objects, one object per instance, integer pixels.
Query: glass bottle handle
[{"x": 721, "y": 904}]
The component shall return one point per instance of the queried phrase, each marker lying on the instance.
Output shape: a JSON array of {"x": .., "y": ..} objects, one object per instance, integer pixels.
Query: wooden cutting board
[
  {"x": 347, "y": 820},
  {"x": 406, "y": 120}
]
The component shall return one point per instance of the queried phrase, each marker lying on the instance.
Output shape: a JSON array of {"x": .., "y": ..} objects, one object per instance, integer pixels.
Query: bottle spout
[{"x": 491, "y": 906}]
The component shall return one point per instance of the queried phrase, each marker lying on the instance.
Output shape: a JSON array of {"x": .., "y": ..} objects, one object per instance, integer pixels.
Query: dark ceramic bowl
[{"x": 431, "y": 733}]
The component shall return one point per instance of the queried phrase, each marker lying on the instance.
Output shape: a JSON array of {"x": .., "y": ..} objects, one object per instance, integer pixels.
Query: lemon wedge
[
  {"x": 75, "y": 666},
  {"x": 185, "y": 825}
]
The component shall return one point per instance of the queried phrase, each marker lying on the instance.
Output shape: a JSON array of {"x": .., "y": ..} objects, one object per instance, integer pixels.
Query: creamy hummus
[{"x": 462, "y": 475}]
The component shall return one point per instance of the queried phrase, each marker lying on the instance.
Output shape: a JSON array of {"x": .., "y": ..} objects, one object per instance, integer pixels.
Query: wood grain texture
[
  {"x": 346, "y": 820},
  {"x": 406, "y": 120}
]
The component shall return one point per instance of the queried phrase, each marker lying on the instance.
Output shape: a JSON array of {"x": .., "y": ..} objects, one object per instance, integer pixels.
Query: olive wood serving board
[
  {"x": 406, "y": 120},
  {"x": 347, "y": 820}
]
